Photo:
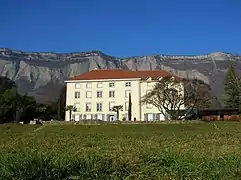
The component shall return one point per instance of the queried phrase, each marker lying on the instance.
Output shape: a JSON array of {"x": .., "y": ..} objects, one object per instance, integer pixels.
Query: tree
[
  {"x": 71, "y": 109},
  {"x": 14, "y": 106},
  {"x": 41, "y": 111},
  {"x": 232, "y": 89},
  {"x": 176, "y": 98},
  {"x": 61, "y": 104},
  {"x": 197, "y": 93},
  {"x": 6, "y": 84},
  {"x": 117, "y": 109},
  {"x": 129, "y": 108},
  {"x": 7, "y": 99},
  {"x": 26, "y": 108}
]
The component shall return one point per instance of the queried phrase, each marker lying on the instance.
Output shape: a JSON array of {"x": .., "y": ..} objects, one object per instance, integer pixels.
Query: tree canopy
[
  {"x": 174, "y": 97},
  {"x": 232, "y": 89},
  {"x": 15, "y": 107}
]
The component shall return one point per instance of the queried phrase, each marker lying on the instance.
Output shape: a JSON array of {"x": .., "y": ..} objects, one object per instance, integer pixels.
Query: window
[
  {"x": 149, "y": 105},
  {"x": 128, "y": 84},
  {"x": 88, "y": 85},
  {"x": 76, "y": 95},
  {"x": 77, "y": 106},
  {"x": 99, "y": 94},
  {"x": 77, "y": 85},
  {"x": 99, "y": 107},
  {"x": 111, "y": 94},
  {"x": 111, "y": 105},
  {"x": 127, "y": 92},
  {"x": 88, "y": 94},
  {"x": 126, "y": 106},
  {"x": 88, "y": 107},
  {"x": 111, "y": 84},
  {"x": 99, "y": 85}
]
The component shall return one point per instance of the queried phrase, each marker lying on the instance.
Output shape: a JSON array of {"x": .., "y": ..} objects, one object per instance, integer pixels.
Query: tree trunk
[
  {"x": 117, "y": 115},
  {"x": 59, "y": 110}
]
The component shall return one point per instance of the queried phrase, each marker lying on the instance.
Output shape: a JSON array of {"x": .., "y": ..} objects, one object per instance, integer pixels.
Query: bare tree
[{"x": 175, "y": 97}]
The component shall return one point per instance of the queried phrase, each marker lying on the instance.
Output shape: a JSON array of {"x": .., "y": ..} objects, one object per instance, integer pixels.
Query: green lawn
[{"x": 153, "y": 151}]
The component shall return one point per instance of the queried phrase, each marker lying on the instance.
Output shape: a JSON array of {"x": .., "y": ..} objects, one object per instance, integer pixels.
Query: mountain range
[{"x": 42, "y": 74}]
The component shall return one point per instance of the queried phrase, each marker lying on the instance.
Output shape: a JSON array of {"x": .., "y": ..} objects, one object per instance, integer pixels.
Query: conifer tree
[
  {"x": 232, "y": 91},
  {"x": 129, "y": 107}
]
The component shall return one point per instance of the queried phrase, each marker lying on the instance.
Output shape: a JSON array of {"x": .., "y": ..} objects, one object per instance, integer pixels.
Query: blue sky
[{"x": 122, "y": 27}]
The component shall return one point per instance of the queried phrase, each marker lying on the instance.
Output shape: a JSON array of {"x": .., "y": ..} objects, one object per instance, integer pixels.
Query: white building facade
[{"x": 95, "y": 93}]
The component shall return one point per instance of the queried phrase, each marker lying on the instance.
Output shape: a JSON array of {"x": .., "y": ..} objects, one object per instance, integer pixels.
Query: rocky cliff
[{"x": 42, "y": 74}]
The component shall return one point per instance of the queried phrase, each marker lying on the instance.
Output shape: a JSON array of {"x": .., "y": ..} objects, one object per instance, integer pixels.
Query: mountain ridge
[{"x": 37, "y": 72}]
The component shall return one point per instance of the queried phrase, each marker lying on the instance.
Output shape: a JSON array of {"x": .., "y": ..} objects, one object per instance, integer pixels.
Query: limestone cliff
[{"x": 38, "y": 73}]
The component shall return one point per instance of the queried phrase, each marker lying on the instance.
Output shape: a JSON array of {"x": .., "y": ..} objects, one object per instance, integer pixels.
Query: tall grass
[
  {"x": 184, "y": 151},
  {"x": 148, "y": 166}
]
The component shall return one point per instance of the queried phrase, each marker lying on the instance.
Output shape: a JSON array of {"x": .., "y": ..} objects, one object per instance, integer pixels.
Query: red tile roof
[{"x": 121, "y": 74}]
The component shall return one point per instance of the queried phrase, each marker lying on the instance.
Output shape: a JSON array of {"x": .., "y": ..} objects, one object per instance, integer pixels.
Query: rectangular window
[
  {"x": 127, "y": 92},
  {"x": 99, "y": 107},
  {"x": 111, "y": 105},
  {"x": 99, "y": 94},
  {"x": 88, "y": 107},
  {"x": 76, "y": 95},
  {"x": 99, "y": 85},
  {"x": 126, "y": 106},
  {"x": 111, "y": 94},
  {"x": 77, "y": 106},
  {"x": 88, "y": 85},
  {"x": 112, "y": 84},
  {"x": 88, "y": 94},
  {"x": 128, "y": 84},
  {"x": 77, "y": 85}
]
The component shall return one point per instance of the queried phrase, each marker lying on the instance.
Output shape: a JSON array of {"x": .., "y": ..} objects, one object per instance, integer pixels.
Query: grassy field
[{"x": 154, "y": 151}]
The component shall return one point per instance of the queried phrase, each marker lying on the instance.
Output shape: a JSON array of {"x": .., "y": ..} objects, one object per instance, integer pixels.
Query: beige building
[{"x": 95, "y": 93}]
